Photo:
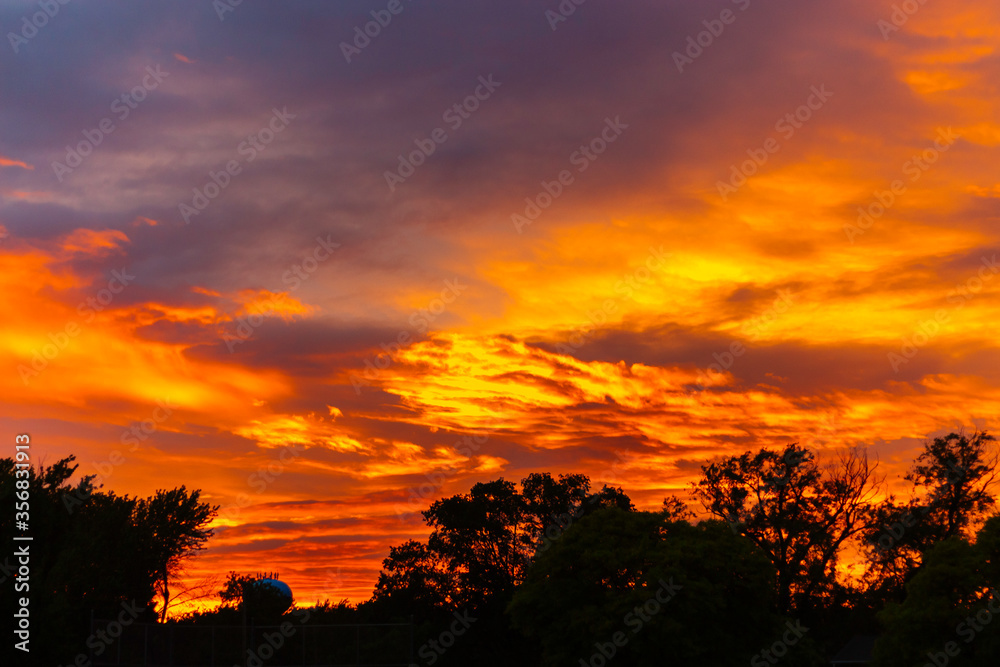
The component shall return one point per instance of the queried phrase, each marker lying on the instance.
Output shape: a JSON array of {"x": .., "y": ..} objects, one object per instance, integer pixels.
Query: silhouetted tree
[
  {"x": 636, "y": 588},
  {"x": 957, "y": 474},
  {"x": 952, "y": 493},
  {"x": 481, "y": 545},
  {"x": 177, "y": 524},
  {"x": 797, "y": 514},
  {"x": 482, "y": 536},
  {"x": 676, "y": 509},
  {"x": 93, "y": 552},
  {"x": 414, "y": 580},
  {"x": 483, "y": 541},
  {"x": 545, "y": 498},
  {"x": 949, "y": 614}
]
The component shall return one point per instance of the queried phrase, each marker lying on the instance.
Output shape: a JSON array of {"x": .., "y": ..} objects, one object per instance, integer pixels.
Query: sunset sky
[{"x": 229, "y": 264}]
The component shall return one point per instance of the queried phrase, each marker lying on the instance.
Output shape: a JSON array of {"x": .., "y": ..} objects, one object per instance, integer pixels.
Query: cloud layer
[{"x": 305, "y": 269}]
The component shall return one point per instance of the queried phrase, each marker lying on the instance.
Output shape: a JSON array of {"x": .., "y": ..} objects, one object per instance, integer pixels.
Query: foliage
[
  {"x": 482, "y": 542},
  {"x": 611, "y": 572},
  {"x": 414, "y": 580},
  {"x": 952, "y": 599},
  {"x": 952, "y": 493},
  {"x": 550, "y": 571},
  {"x": 799, "y": 515},
  {"x": 93, "y": 552},
  {"x": 176, "y": 525}
]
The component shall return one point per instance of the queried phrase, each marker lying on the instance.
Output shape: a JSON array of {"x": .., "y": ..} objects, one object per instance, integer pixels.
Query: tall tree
[
  {"x": 483, "y": 541},
  {"x": 481, "y": 535},
  {"x": 177, "y": 524},
  {"x": 546, "y": 498},
  {"x": 799, "y": 515},
  {"x": 953, "y": 482},
  {"x": 957, "y": 475}
]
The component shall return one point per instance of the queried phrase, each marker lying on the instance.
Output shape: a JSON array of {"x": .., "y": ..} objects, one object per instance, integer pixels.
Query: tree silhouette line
[{"x": 551, "y": 572}]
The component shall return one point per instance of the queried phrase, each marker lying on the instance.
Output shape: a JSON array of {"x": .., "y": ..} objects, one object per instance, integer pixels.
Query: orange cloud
[
  {"x": 254, "y": 302},
  {"x": 93, "y": 242},
  {"x": 8, "y": 162}
]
